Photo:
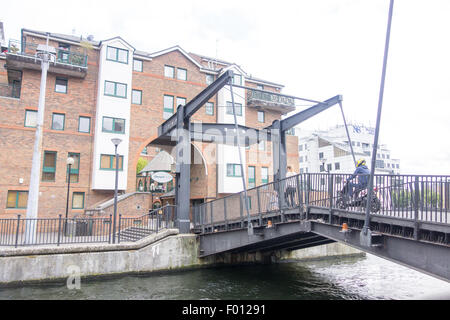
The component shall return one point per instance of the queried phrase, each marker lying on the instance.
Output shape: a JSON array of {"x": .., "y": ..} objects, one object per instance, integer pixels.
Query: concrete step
[{"x": 135, "y": 233}]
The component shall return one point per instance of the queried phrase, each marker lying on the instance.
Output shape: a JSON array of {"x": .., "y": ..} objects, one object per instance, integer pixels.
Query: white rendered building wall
[{"x": 114, "y": 107}]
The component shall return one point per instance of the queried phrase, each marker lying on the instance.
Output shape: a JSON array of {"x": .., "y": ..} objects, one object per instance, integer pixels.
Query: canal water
[{"x": 350, "y": 278}]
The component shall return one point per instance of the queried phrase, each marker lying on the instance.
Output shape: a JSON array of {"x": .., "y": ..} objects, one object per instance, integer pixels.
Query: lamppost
[
  {"x": 116, "y": 142},
  {"x": 70, "y": 161}
]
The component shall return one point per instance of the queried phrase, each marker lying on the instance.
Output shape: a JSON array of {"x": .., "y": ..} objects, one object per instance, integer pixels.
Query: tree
[{"x": 141, "y": 165}]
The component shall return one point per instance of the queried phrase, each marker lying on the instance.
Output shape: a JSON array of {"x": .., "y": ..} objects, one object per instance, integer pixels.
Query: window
[
  {"x": 108, "y": 162},
  {"x": 237, "y": 79},
  {"x": 306, "y": 158},
  {"x": 260, "y": 86},
  {"x": 260, "y": 116},
  {"x": 169, "y": 72},
  {"x": 30, "y": 118},
  {"x": 262, "y": 145},
  {"x": 251, "y": 177},
  {"x": 321, "y": 169},
  {"x": 113, "y": 125},
  {"x": 329, "y": 167},
  {"x": 116, "y": 54},
  {"x": 264, "y": 175},
  {"x": 144, "y": 151},
  {"x": 49, "y": 167},
  {"x": 17, "y": 199},
  {"x": 181, "y": 74},
  {"x": 379, "y": 164},
  {"x": 115, "y": 89},
  {"x": 301, "y": 159},
  {"x": 209, "y": 79},
  {"x": 337, "y": 166},
  {"x": 365, "y": 145},
  {"x": 136, "y": 96},
  {"x": 137, "y": 65},
  {"x": 75, "y": 168},
  {"x": 388, "y": 165},
  {"x": 58, "y": 121},
  {"x": 61, "y": 85},
  {"x": 383, "y": 156},
  {"x": 301, "y": 170},
  {"x": 358, "y": 144},
  {"x": 320, "y": 155},
  {"x": 168, "y": 107},
  {"x": 238, "y": 108},
  {"x": 78, "y": 200},
  {"x": 209, "y": 108},
  {"x": 233, "y": 170},
  {"x": 300, "y": 147},
  {"x": 84, "y": 124},
  {"x": 181, "y": 101},
  {"x": 398, "y": 166},
  {"x": 387, "y": 156},
  {"x": 367, "y": 153}
]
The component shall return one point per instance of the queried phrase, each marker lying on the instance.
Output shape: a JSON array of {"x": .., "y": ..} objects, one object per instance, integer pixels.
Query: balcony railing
[
  {"x": 63, "y": 56},
  {"x": 255, "y": 97}
]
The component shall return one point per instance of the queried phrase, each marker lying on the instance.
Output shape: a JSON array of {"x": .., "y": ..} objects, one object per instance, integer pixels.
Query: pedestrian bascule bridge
[{"x": 407, "y": 224}]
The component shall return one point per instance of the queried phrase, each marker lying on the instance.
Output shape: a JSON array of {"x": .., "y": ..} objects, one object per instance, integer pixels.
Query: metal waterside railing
[{"x": 59, "y": 231}]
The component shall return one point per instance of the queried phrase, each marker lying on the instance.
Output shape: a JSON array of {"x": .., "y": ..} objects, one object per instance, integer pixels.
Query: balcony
[
  {"x": 266, "y": 100},
  {"x": 21, "y": 56}
]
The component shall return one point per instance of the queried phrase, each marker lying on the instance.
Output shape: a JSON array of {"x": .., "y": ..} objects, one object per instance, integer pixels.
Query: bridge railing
[{"x": 421, "y": 198}]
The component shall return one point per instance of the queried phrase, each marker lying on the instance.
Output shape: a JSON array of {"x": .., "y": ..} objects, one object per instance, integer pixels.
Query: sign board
[{"x": 162, "y": 177}]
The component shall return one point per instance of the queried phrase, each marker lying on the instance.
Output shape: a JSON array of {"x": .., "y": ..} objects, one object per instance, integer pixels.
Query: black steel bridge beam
[
  {"x": 181, "y": 122},
  {"x": 430, "y": 258},
  {"x": 278, "y": 130}
]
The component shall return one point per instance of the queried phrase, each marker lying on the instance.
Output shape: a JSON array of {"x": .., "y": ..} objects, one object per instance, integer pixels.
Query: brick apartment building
[{"x": 98, "y": 90}]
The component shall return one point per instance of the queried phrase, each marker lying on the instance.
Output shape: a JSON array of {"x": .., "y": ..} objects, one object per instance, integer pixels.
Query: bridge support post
[
  {"x": 416, "y": 208},
  {"x": 330, "y": 196},
  {"x": 279, "y": 163},
  {"x": 225, "y": 212},
  {"x": 259, "y": 206},
  {"x": 183, "y": 171},
  {"x": 308, "y": 188}
]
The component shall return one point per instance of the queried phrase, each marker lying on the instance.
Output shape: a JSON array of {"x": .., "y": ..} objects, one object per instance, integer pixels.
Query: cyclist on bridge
[{"x": 362, "y": 173}]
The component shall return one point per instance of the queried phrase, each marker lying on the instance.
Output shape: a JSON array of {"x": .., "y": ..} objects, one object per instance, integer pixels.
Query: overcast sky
[{"x": 317, "y": 49}]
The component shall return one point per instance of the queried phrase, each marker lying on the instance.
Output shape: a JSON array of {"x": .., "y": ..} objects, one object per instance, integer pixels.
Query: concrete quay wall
[{"x": 162, "y": 252}]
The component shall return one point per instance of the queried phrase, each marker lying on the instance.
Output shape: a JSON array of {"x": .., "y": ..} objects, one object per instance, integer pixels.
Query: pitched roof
[{"x": 161, "y": 162}]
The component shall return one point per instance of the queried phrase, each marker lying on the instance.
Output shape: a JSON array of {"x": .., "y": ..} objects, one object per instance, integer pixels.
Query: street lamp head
[
  {"x": 116, "y": 141},
  {"x": 70, "y": 161}
]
